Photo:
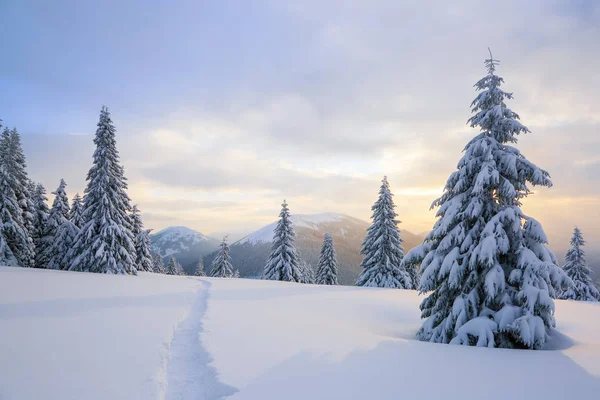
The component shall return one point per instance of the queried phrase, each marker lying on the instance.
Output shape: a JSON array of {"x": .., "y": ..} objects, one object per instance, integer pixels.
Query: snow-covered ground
[{"x": 85, "y": 336}]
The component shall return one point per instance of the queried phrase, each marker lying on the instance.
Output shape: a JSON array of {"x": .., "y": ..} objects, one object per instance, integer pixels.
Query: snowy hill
[
  {"x": 186, "y": 244},
  {"x": 68, "y": 335},
  {"x": 250, "y": 253}
]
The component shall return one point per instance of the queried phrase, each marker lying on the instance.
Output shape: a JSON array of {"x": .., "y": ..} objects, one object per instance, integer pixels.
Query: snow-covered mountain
[
  {"x": 186, "y": 244},
  {"x": 250, "y": 253},
  {"x": 311, "y": 221}
]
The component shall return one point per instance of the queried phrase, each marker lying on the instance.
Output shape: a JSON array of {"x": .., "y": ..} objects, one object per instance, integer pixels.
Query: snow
[
  {"x": 67, "y": 335},
  {"x": 265, "y": 234}
]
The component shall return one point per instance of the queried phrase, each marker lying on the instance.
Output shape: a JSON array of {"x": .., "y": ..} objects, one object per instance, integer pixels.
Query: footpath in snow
[{"x": 189, "y": 375}]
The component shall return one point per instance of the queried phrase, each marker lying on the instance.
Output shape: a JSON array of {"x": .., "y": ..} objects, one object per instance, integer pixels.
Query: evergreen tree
[
  {"x": 24, "y": 195},
  {"x": 382, "y": 248},
  {"x": 105, "y": 243},
  {"x": 200, "y": 268},
  {"x": 173, "y": 268},
  {"x": 221, "y": 266},
  {"x": 236, "y": 273},
  {"x": 180, "y": 270},
  {"x": 485, "y": 264},
  {"x": 59, "y": 214},
  {"x": 41, "y": 214},
  {"x": 60, "y": 251},
  {"x": 136, "y": 221},
  {"x": 142, "y": 241},
  {"x": 11, "y": 231},
  {"x": 327, "y": 267},
  {"x": 576, "y": 268},
  {"x": 283, "y": 262},
  {"x": 76, "y": 211},
  {"x": 15, "y": 188},
  {"x": 307, "y": 274},
  {"x": 158, "y": 264},
  {"x": 142, "y": 248}
]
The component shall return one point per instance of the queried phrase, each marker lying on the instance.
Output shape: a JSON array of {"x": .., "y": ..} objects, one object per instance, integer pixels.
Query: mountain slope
[
  {"x": 187, "y": 245},
  {"x": 250, "y": 254}
]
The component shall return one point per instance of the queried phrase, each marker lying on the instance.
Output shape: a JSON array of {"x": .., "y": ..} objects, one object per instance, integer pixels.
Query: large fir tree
[
  {"x": 105, "y": 243},
  {"x": 16, "y": 220},
  {"x": 382, "y": 248},
  {"x": 11, "y": 232},
  {"x": 59, "y": 214},
  {"x": 76, "y": 211},
  {"x": 221, "y": 266},
  {"x": 576, "y": 268},
  {"x": 22, "y": 189},
  {"x": 283, "y": 262},
  {"x": 485, "y": 264},
  {"x": 327, "y": 268},
  {"x": 15, "y": 177}
]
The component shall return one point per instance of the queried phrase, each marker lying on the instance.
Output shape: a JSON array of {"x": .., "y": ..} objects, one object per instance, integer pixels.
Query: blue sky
[{"x": 223, "y": 108}]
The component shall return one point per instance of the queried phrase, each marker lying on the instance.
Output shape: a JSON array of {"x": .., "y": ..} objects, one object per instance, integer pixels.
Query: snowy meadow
[{"x": 70, "y": 335}]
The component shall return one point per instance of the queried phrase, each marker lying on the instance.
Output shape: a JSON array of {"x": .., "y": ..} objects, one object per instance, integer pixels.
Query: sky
[{"x": 224, "y": 108}]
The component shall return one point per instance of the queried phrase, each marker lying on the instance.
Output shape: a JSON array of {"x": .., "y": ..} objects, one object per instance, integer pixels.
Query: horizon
[{"x": 215, "y": 127}]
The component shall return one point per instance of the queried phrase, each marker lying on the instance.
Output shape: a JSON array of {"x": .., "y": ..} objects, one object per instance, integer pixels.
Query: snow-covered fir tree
[
  {"x": 236, "y": 273},
  {"x": 19, "y": 170},
  {"x": 576, "y": 268},
  {"x": 143, "y": 260},
  {"x": 173, "y": 268},
  {"x": 59, "y": 214},
  {"x": 157, "y": 263},
  {"x": 105, "y": 243},
  {"x": 327, "y": 268},
  {"x": 136, "y": 221},
  {"x": 199, "y": 271},
  {"x": 382, "y": 248},
  {"x": 221, "y": 266},
  {"x": 180, "y": 270},
  {"x": 307, "y": 275},
  {"x": 19, "y": 225},
  {"x": 283, "y": 262},
  {"x": 61, "y": 249},
  {"x": 142, "y": 249},
  {"x": 486, "y": 267},
  {"x": 11, "y": 232},
  {"x": 41, "y": 214},
  {"x": 76, "y": 211}
]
